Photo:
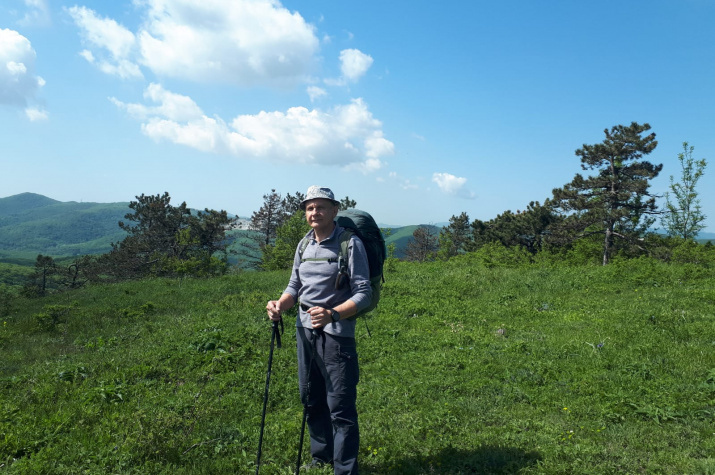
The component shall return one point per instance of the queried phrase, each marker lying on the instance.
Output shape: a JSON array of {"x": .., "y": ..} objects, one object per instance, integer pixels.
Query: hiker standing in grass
[{"x": 325, "y": 308}]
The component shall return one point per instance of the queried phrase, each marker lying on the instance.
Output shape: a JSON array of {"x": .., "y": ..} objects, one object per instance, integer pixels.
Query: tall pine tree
[{"x": 615, "y": 201}]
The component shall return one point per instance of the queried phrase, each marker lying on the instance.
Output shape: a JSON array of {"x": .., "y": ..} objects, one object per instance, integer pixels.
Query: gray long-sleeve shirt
[{"x": 313, "y": 282}]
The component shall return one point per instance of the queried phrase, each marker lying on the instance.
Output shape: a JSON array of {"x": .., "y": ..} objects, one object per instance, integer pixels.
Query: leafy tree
[
  {"x": 347, "y": 203},
  {"x": 423, "y": 246},
  {"x": 280, "y": 255},
  {"x": 683, "y": 216},
  {"x": 615, "y": 202},
  {"x": 454, "y": 238}
]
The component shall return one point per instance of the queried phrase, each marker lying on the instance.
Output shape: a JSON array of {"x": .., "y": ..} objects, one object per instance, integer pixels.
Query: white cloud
[
  {"x": 18, "y": 82},
  {"x": 346, "y": 135},
  {"x": 174, "y": 107},
  {"x": 354, "y": 64},
  {"x": 241, "y": 42},
  {"x": 315, "y": 92},
  {"x": 244, "y": 42},
  {"x": 37, "y": 14},
  {"x": 35, "y": 114},
  {"x": 105, "y": 34},
  {"x": 452, "y": 185}
]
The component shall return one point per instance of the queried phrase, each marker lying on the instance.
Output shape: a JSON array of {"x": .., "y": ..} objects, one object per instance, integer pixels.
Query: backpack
[{"x": 362, "y": 225}]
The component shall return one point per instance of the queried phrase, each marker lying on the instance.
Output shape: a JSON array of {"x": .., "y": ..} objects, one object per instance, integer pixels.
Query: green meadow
[{"x": 531, "y": 369}]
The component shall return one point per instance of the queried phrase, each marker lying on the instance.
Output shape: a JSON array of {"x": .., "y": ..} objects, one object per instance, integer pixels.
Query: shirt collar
[{"x": 336, "y": 232}]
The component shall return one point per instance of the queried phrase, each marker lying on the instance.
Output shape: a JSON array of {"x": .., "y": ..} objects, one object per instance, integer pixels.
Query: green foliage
[
  {"x": 281, "y": 254},
  {"x": 690, "y": 252},
  {"x": 528, "y": 229},
  {"x": 615, "y": 201},
  {"x": 402, "y": 236},
  {"x": 51, "y": 316},
  {"x": 14, "y": 275},
  {"x": 495, "y": 254},
  {"x": 684, "y": 217},
  {"x": 423, "y": 246},
  {"x": 514, "y": 368},
  {"x": 453, "y": 238},
  {"x": 167, "y": 240},
  {"x": 6, "y": 299},
  {"x": 390, "y": 259}
]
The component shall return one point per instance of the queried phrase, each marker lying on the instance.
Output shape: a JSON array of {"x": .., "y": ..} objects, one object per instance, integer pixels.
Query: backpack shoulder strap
[
  {"x": 345, "y": 242},
  {"x": 301, "y": 247}
]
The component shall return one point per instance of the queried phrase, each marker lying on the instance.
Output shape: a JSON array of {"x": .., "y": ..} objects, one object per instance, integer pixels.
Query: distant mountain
[
  {"x": 24, "y": 202},
  {"x": 402, "y": 235},
  {"x": 32, "y": 224}
]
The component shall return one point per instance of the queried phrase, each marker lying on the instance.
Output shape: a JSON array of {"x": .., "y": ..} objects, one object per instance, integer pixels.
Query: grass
[{"x": 468, "y": 370}]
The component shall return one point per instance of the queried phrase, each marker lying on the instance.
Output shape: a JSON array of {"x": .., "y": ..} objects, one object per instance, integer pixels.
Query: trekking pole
[
  {"x": 275, "y": 336},
  {"x": 305, "y": 401}
]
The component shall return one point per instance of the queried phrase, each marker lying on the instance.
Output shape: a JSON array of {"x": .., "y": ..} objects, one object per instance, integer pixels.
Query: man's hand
[
  {"x": 274, "y": 310},
  {"x": 319, "y": 316}
]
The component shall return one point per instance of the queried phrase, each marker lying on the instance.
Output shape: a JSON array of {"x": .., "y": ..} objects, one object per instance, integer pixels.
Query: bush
[
  {"x": 690, "y": 252},
  {"x": 495, "y": 254}
]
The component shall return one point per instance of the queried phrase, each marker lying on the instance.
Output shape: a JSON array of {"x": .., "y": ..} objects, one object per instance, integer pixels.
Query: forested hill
[{"x": 32, "y": 224}]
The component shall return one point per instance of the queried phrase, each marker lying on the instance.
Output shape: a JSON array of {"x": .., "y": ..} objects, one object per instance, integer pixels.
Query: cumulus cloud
[
  {"x": 241, "y": 42},
  {"x": 315, "y": 93},
  {"x": 171, "y": 106},
  {"x": 346, "y": 135},
  {"x": 114, "y": 45},
  {"x": 18, "y": 82},
  {"x": 353, "y": 65},
  {"x": 452, "y": 185}
]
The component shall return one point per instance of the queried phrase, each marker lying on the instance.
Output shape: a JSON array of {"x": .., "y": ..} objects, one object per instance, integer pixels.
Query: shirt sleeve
[
  {"x": 359, "y": 269},
  {"x": 294, "y": 283}
]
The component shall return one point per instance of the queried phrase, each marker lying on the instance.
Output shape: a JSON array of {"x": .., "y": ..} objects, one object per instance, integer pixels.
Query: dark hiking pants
[{"x": 332, "y": 412}]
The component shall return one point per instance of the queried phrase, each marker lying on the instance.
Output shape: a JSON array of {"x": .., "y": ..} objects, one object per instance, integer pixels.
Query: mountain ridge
[{"x": 32, "y": 224}]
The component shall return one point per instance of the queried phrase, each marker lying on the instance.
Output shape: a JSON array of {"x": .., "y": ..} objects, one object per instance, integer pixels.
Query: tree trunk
[{"x": 607, "y": 243}]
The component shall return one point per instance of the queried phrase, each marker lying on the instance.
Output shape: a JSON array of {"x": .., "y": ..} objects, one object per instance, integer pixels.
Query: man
[{"x": 327, "y": 356}]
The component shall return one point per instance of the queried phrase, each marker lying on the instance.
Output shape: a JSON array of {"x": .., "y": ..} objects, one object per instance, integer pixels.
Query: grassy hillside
[
  {"x": 14, "y": 275},
  {"x": 403, "y": 235},
  {"x": 533, "y": 370},
  {"x": 32, "y": 224}
]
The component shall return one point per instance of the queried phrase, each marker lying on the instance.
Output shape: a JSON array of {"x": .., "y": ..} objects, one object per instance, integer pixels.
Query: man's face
[{"x": 320, "y": 213}]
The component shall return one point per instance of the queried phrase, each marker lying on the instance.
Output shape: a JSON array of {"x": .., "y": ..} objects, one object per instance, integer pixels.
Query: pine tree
[
  {"x": 615, "y": 202},
  {"x": 423, "y": 245}
]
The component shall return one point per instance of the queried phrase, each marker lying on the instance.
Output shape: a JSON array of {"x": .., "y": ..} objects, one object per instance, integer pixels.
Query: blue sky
[{"x": 417, "y": 110}]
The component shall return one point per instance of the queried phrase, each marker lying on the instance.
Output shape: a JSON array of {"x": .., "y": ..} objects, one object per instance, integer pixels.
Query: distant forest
[{"x": 608, "y": 214}]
